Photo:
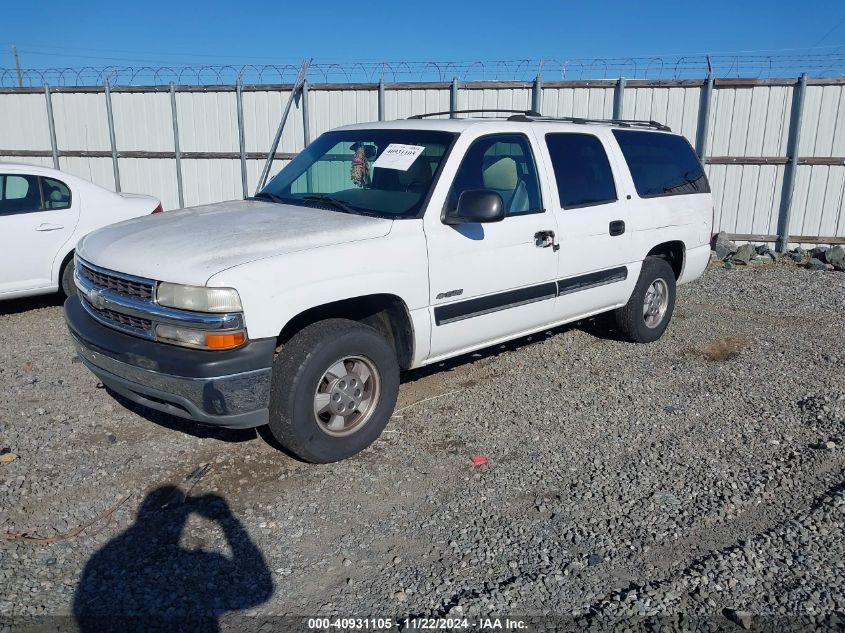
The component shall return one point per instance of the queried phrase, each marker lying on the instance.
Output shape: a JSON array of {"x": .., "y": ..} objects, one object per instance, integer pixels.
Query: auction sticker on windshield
[{"x": 398, "y": 156}]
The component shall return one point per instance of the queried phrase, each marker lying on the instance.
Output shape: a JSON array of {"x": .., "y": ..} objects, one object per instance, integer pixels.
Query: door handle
[
  {"x": 46, "y": 226},
  {"x": 544, "y": 239},
  {"x": 617, "y": 227}
]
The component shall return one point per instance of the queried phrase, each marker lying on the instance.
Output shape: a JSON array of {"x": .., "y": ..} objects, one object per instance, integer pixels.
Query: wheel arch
[
  {"x": 674, "y": 252},
  {"x": 384, "y": 312},
  {"x": 63, "y": 263}
]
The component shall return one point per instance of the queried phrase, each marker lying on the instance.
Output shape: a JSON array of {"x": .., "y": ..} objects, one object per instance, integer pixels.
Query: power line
[{"x": 836, "y": 26}]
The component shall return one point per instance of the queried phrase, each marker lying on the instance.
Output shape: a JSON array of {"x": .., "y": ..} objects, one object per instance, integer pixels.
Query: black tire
[
  {"x": 67, "y": 286},
  {"x": 300, "y": 368},
  {"x": 630, "y": 320}
]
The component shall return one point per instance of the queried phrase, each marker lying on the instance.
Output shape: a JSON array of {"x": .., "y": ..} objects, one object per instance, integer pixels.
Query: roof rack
[
  {"x": 525, "y": 113},
  {"x": 571, "y": 119}
]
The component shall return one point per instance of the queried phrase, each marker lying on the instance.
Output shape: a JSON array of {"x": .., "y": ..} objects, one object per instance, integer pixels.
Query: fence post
[
  {"x": 306, "y": 134},
  {"x": 792, "y": 147},
  {"x": 618, "y": 94},
  {"x": 176, "y": 145},
  {"x": 110, "y": 116},
  {"x": 453, "y": 98},
  {"x": 381, "y": 99},
  {"x": 306, "y": 121},
  {"x": 52, "y": 125},
  {"x": 702, "y": 132},
  {"x": 537, "y": 94},
  {"x": 239, "y": 95}
]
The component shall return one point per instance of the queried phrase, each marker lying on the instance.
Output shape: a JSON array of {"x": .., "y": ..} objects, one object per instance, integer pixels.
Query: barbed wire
[{"x": 830, "y": 64}]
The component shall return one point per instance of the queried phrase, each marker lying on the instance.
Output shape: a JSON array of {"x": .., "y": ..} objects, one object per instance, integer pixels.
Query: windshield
[{"x": 374, "y": 172}]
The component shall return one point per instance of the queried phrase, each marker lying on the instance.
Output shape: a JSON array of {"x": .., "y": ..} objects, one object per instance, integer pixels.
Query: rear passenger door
[
  {"x": 37, "y": 216},
  {"x": 594, "y": 263}
]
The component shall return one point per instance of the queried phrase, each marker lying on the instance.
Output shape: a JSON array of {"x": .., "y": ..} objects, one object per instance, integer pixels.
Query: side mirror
[{"x": 476, "y": 206}]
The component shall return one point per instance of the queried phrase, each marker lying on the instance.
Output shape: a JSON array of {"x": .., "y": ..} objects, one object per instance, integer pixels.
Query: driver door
[{"x": 491, "y": 281}]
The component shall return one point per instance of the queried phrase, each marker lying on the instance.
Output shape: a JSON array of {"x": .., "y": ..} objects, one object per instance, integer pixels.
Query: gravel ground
[{"x": 697, "y": 482}]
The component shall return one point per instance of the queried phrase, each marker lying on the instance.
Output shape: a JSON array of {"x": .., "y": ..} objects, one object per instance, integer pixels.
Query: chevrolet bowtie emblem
[{"x": 96, "y": 298}]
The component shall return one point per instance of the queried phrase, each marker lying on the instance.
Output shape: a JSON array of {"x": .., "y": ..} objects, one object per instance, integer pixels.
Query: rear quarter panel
[{"x": 687, "y": 218}]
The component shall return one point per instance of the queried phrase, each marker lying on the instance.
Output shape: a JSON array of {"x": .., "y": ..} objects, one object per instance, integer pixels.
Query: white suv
[{"x": 382, "y": 247}]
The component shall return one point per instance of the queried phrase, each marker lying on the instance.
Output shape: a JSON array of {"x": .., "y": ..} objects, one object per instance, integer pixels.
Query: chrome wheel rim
[
  {"x": 346, "y": 396},
  {"x": 656, "y": 303}
]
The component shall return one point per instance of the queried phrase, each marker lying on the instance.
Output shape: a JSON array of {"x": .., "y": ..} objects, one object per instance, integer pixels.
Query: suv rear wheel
[
  {"x": 647, "y": 314},
  {"x": 334, "y": 388}
]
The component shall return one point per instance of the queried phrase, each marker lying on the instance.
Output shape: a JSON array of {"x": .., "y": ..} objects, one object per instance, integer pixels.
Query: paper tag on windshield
[{"x": 398, "y": 156}]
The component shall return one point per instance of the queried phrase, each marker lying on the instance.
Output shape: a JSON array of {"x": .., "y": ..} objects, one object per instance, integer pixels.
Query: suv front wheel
[
  {"x": 647, "y": 314},
  {"x": 335, "y": 385}
]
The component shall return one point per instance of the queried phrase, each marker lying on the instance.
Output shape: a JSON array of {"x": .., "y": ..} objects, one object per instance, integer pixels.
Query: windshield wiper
[
  {"x": 335, "y": 202},
  {"x": 266, "y": 195}
]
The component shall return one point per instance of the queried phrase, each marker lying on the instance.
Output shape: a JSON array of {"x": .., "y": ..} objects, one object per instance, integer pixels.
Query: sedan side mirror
[{"x": 476, "y": 206}]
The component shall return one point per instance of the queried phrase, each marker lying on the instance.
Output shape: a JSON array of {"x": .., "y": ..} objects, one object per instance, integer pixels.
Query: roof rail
[
  {"x": 525, "y": 113},
  {"x": 571, "y": 119}
]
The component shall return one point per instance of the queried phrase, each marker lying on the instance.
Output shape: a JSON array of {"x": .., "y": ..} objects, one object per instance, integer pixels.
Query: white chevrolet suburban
[{"x": 383, "y": 247}]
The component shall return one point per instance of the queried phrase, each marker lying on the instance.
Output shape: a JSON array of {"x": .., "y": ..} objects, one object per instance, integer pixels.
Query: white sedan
[{"x": 43, "y": 214}]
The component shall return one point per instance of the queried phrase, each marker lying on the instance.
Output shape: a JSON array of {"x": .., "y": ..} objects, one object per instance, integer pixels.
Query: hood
[{"x": 190, "y": 245}]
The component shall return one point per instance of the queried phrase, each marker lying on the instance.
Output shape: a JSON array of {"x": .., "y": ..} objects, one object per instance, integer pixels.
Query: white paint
[
  {"x": 285, "y": 259},
  {"x": 35, "y": 244}
]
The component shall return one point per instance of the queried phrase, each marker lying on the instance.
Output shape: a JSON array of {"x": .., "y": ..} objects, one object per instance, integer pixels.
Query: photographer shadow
[{"x": 144, "y": 579}]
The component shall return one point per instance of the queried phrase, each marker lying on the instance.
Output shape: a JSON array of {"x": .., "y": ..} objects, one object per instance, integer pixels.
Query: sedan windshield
[{"x": 383, "y": 172}]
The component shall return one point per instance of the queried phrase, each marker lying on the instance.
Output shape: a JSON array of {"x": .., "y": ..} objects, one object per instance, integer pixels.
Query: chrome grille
[
  {"x": 117, "y": 283},
  {"x": 125, "y": 320}
]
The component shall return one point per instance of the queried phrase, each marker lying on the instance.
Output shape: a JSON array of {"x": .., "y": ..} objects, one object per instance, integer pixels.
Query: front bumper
[{"x": 225, "y": 388}]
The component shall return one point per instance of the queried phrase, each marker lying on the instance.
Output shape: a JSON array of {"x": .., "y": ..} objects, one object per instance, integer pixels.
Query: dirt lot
[{"x": 701, "y": 476}]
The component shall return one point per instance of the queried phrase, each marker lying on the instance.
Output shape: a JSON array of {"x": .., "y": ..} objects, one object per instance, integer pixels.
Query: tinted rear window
[{"x": 661, "y": 164}]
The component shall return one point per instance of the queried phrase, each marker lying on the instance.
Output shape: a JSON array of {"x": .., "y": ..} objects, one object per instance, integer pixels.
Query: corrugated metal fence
[{"x": 749, "y": 132}]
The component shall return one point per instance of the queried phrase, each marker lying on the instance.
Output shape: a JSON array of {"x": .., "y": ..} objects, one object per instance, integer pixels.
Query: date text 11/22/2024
[{"x": 402, "y": 624}]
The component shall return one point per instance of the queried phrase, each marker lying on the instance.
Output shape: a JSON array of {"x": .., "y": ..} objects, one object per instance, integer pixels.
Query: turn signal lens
[
  {"x": 201, "y": 339},
  {"x": 224, "y": 341}
]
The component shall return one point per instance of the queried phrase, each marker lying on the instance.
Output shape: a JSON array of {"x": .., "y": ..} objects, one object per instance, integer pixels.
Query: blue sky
[{"x": 57, "y": 33}]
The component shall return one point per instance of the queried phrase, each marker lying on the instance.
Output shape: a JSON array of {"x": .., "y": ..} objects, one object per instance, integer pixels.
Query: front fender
[{"x": 274, "y": 290}]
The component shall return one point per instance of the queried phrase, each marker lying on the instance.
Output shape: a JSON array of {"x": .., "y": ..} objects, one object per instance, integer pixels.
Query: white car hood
[{"x": 191, "y": 245}]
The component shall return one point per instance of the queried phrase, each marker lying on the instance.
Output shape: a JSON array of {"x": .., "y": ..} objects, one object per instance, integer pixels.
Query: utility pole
[{"x": 17, "y": 65}]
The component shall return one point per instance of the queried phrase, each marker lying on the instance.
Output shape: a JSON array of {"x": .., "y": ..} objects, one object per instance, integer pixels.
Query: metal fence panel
[
  {"x": 23, "y": 122},
  {"x": 207, "y": 121},
  {"x": 81, "y": 121},
  {"x": 211, "y": 180},
  {"x": 262, "y": 111},
  {"x": 823, "y": 133},
  {"x": 586, "y": 102},
  {"x": 97, "y": 170},
  {"x": 402, "y": 103},
  {"x": 142, "y": 121},
  {"x": 746, "y": 144},
  {"x": 156, "y": 177}
]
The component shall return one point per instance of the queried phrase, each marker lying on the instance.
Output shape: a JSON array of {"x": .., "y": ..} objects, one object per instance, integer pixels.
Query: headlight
[{"x": 198, "y": 298}]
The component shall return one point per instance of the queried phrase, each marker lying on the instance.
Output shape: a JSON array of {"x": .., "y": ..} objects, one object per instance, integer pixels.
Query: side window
[
  {"x": 502, "y": 163},
  {"x": 19, "y": 194},
  {"x": 582, "y": 170},
  {"x": 661, "y": 164},
  {"x": 56, "y": 194}
]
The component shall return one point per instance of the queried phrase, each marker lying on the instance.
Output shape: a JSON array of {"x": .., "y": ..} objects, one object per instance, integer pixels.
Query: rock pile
[{"x": 818, "y": 258}]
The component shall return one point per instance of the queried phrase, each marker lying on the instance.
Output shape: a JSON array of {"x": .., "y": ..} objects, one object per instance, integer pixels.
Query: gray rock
[
  {"x": 743, "y": 254},
  {"x": 820, "y": 253},
  {"x": 723, "y": 246},
  {"x": 815, "y": 264},
  {"x": 742, "y": 618},
  {"x": 836, "y": 257}
]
